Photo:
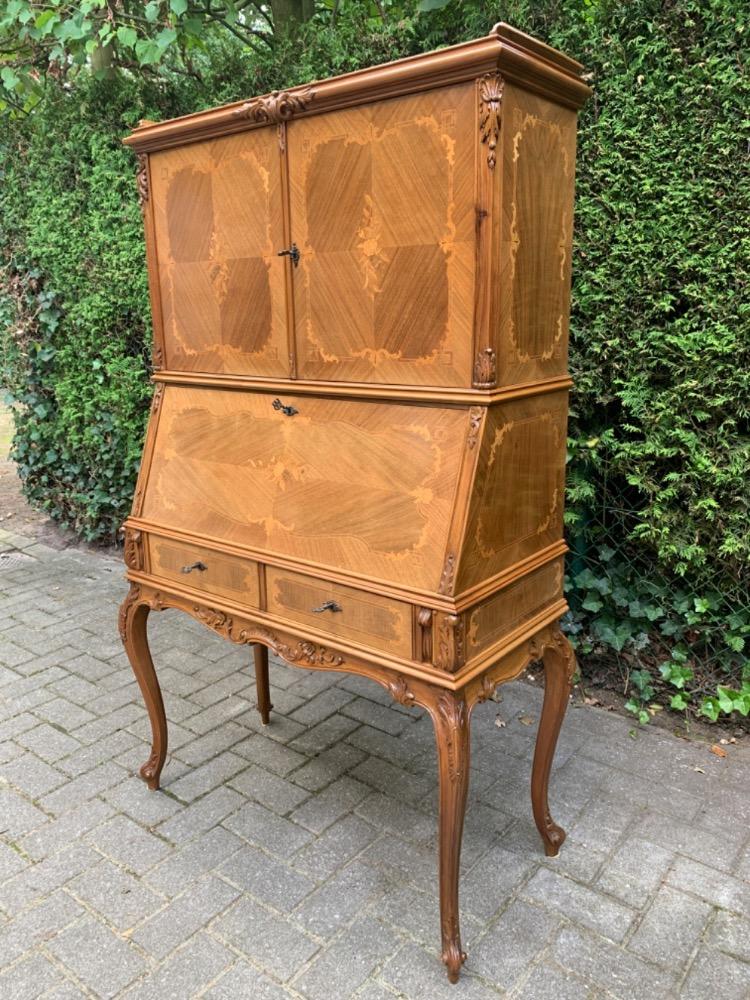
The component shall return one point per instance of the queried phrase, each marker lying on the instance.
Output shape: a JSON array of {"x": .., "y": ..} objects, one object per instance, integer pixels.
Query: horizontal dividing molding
[
  {"x": 364, "y": 390},
  {"x": 519, "y": 58},
  {"x": 330, "y": 574}
]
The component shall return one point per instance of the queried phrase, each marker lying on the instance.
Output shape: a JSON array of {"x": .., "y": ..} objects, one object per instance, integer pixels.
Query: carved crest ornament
[{"x": 277, "y": 107}]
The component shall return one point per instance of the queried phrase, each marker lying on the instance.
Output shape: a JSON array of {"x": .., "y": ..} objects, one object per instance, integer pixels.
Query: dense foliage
[{"x": 660, "y": 333}]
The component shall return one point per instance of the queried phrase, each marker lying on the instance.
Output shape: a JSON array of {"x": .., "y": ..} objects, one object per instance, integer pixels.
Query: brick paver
[{"x": 299, "y": 860}]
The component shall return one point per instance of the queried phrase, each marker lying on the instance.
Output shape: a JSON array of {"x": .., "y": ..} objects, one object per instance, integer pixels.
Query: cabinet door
[
  {"x": 365, "y": 487},
  {"x": 382, "y": 209},
  {"x": 217, "y": 230}
]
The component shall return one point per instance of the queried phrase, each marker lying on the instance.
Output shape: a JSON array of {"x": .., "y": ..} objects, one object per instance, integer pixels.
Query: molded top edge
[{"x": 516, "y": 55}]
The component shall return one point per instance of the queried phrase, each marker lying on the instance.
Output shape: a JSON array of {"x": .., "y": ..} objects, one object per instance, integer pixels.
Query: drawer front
[
  {"x": 224, "y": 575},
  {"x": 367, "y": 619}
]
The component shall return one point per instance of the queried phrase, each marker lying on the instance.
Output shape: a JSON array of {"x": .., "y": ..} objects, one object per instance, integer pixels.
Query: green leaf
[
  {"x": 9, "y": 77},
  {"x": 426, "y": 5},
  {"x": 178, "y": 7},
  {"x": 151, "y": 11},
  {"x": 679, "y": 701},
  {"x": 127, "y": 36}
]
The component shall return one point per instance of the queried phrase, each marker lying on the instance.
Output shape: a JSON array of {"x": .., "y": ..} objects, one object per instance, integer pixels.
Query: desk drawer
[
  {"x": 205, "y": 569},
  {"x": 364, "y": 618}
]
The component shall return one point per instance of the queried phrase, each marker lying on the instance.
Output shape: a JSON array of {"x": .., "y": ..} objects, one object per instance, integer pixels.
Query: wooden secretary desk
[{"x": 356, "y": 450}]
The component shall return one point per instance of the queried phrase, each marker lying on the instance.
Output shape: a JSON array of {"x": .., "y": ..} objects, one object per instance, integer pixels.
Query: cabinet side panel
[
  {"x": 383, "y": 211},
  {"x": 537, "y": 226},
  {"x": 517, "y": 502},
  {"x": 217, "y": 211}
]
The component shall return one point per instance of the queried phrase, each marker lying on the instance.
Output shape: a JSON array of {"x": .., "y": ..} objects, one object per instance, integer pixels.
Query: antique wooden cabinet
[{"x": 356, "y": 449}]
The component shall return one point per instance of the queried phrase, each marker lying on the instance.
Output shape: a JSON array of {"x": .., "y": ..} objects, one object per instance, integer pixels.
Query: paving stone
[
  {"x": 212, "y": 718},
  {"x": 264, "y": 828},
  {"x": 348, "y": 961},
  {"x": 273, "y": 944},
  {"x": 269, "y": 754},
  {"x": 419, "y": 975},
  {"x": 397, "y": 817},
  {"x": 190, "y": 821},
  {"x": 17, "y": 814},
  {"x": 328, "y": 766},
  {"x": 720, "y": 847},
  {"x": 242, "y": 982},
  {"x": 200, "y": 751},
  {"x": 624, "y": 975},
  {"x": 715, "y": 974},
  {"x": 270, "y": 881},
  {"x": 11, "y": 861},
  {"x": 37, "y": 925},
  {"x": 513, "y": 943},
  {"x": 184, "y": 916},
  {"x": 71, "y": 826},
  {"x": 321, "y": 706},
  {"x": 134, "y": 797},
  {"x": 127, "y": 843},
  {"x": 731, "y": 934},
  {"x": 32, "y": 776},
  {"x": 394, "y": 780},
  {"x": 715, "y": 887},
  {"x": 207, "y": 777},
  {"x": 323, "y": 809},
  {"x": 29, "y": 979},
  {"x": 339, "y": 899},
  {"x": 181, "y": 867},
  {"x": 72, "y": 793},
  {"x": 324, "y": 735},
  {"x": 487, "y": 887},
  {"x": 119, "y": 897},
  {"x": 635, "y": 871},
  {"x": 48, "y": 742},
  {"x": 405, "y": 862},
  {"x": 577, "y": 902},
  {"x": 549, "y": 982},
  {"x": 335, "y": 846},
  {"x": 186, "y": 973},
  {"x": 270, "y": 790},
  {"x": 98, "y": 958},
  {"x": 417, "y": 914},
  {"x": 39, "y": 880},
  {"x": 378, "y": 716},
  {"x": 671, "y": 929}
]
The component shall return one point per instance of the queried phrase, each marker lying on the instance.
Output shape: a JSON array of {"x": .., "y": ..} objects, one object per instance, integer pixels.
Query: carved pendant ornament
[
  {"x": 485, "y": 369},
  {"x": 141, "y": 180},
  {"x": 490, "y": 101}
]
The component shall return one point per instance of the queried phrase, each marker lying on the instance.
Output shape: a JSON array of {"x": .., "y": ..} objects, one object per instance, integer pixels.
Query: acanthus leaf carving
[
  {"x": 454, "y": 716},
  {"x": 131, "y": 599},
  {"x": 133, "y": 549},
  {"x": 448, "y": 574},
  {"x": 450, "y": 651},
  {"x": 275, "y": 108},
  {"x": 487, "y": 689},
  {"x": 400, "y": 692},
  {"x": 485, "y": 369},
  {"x": 490, "y": 117}
]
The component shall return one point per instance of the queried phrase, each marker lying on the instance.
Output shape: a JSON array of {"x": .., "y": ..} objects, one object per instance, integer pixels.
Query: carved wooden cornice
[
  {"x": 490, "y": 102},
  {"x": 485, "y": 369},
  {"x": 279, "y": 106}
]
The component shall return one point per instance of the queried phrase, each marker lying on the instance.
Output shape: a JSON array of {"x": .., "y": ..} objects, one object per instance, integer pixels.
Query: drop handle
[
  {"x": 288, "y": 411},
  {"x": 328, "y": 606},
  {"x": 292, "y": 252},
  {"x": 196, "y": 565}
]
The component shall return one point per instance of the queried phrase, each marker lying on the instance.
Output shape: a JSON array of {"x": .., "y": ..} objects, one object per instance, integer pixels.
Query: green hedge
[{"x": 660, "y": 338}]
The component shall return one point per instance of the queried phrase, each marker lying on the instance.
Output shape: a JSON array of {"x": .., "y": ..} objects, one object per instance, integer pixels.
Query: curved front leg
[
  {"x": 133, "y": 619},
  {"x": 450, "y": 715},
  {"x": 262, "y": 688},
  {"x": 559, "y": 666}
]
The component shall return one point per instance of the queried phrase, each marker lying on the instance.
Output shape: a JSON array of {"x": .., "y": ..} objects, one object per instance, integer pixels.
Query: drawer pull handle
[
  {"x": 328, "y": 606},
  {"x": 196, "y": 565},
  {"x": 288, "y": 411}
]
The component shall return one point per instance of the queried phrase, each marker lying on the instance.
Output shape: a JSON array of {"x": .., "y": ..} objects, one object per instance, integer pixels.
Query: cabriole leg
[
  {"x": 559, "y": 664},
  {"x": 450, "y": 715},
  {"x": 133, "y": 632},
  {"x": 261, "y": 682}
]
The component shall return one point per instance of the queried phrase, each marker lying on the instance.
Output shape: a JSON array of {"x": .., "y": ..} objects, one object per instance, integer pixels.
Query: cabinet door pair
[{"x": 378, "y": 199}]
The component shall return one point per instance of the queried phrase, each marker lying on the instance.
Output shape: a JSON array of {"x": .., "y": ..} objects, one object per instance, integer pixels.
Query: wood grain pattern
[{"x": 356, "y": 450}]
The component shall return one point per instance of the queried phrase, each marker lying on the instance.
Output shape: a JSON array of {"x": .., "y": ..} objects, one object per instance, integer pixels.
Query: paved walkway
[{"x": 300, "y": 861}]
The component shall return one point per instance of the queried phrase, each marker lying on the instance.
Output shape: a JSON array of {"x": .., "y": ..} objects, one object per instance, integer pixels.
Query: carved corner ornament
[
  {"x": 475, "y": 422},
  {"x": 454, "y": 716},
  {"x": 424, "y": 620},
  {"x": 490, "y": 101},
  {"x": 277, "y": 107},
  {"x": 450, "y": 653},
  {"x": 133, "y": 550},
  {"x": 141, "y": 180},
  {"x": 485, "y": 369},
  {"x": 157, "y": 398},
  {"x": 400, "y": 692},
  {"x": 448, "y": 575}
]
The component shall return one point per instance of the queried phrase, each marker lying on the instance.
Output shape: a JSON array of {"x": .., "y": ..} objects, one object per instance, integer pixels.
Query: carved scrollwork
[
  {"x": 133, "y": 550},
  {"x": 454, "y": 716},
  {"x": 157, "y": 399},
  {"x": 141, "y": 180},
  {"x": 448, "y": 575},
  {"x": 450, "y": 651},
  {"x": 485, "y": 369},
  {"x": 131, "y": 599},
  {"x": 487, "y": 689},
  {"x": 277, "y": 107},
  {"x": 475, "y": 422},
  {"x": 424, "y": 620},
  {"x": 157, "y": 357},
  {"x": 490, "y": 102},
  {"x": 400, "y": 692}
]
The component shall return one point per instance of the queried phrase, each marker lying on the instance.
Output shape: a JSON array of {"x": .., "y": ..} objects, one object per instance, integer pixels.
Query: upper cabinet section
[
  {"x": 217, "y": 229},
  {"x": 383, "y": 212},
  {"x": 408, "y": 225}
]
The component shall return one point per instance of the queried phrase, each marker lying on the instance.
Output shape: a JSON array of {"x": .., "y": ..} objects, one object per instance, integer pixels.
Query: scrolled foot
[
  {"x": 453, "y": 959},
  {"x": 151, "y": 771},
  {"x": 553, "y": 837}
]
